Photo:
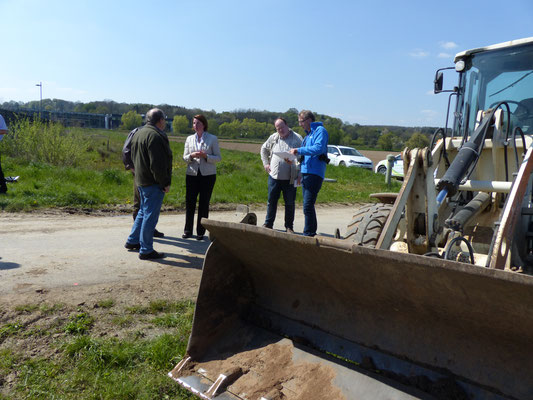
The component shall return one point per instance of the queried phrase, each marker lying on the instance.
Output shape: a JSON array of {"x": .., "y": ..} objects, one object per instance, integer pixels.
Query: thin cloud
[
  {"x": 444, "y": 55},
  {"x": 71, "y": 90},
  {"x": 428, "y": 117},
  {"x": 419, "y": 53},
  {"x": 429, "y": 114},
  {"x": 328, "y": 85},
  {"x": 448, "y": 45}
]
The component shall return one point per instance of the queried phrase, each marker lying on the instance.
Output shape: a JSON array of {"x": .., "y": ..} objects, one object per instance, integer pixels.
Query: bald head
[
  {"x": 154, "y": 115},
  {"x": 282, "y": 128}
]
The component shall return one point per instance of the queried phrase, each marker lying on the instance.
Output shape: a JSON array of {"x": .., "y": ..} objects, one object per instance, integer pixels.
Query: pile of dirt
[{"x": 270, "y": 372}]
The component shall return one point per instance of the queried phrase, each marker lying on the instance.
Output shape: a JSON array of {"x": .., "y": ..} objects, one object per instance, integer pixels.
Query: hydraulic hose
[
  {"x": 519, "y": 130},
  {"x": 466, "y": 160},
  {"x": 506, "y": 142},
  {"x": 457, "y": 239},
  {"x": 444, "y": 154}
]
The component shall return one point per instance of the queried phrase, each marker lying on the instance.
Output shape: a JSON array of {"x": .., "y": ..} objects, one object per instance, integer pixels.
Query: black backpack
[{"x": 126, "y": 150}]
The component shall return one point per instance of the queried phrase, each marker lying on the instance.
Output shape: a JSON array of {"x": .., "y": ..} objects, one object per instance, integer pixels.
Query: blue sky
[{"x": 367, "y": 62}]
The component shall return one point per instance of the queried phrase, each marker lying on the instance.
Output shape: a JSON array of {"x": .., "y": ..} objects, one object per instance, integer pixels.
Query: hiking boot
[
  {"x": 132, "y": 246},
  {"x": 154, "y": 255}
]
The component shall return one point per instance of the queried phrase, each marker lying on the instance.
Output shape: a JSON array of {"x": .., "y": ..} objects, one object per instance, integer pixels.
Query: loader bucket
[{"x": 282, "y": 316}]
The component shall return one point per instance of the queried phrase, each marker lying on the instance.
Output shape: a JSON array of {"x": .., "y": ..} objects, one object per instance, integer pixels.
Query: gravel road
[{"x": 42, "y": 253}]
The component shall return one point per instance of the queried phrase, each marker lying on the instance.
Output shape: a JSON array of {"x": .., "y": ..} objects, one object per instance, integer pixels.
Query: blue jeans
[
  {"x": 311, "y": 185},
  {"x": 275, "y": 187},
  {"x": 144, "y": 225}
]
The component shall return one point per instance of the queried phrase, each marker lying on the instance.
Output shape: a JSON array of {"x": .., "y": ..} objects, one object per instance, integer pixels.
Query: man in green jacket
[{"x": 152, "y": 161}]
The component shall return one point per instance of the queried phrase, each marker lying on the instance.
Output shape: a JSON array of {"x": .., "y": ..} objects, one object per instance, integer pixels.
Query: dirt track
[
  {"x": 76, "y": 258},
  {"x": 375, "y": 156}
]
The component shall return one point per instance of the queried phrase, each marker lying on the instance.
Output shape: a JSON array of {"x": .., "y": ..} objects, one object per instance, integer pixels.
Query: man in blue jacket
[{"x": 313, "y": 165}]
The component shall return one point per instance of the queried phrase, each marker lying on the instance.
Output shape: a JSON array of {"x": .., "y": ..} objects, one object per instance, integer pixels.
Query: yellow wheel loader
[{"x": 430, "y": 297}]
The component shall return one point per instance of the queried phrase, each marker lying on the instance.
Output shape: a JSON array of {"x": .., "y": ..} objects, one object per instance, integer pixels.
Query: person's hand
[
  {"x": 166, "y": 189},
  {"x": 293, "y": 151},
  {"x": 196, "y": 154},
  {"x": 203, "y": 154},
  {"x": 267, "y": 168},
  {"x": 288, "y": 161}
]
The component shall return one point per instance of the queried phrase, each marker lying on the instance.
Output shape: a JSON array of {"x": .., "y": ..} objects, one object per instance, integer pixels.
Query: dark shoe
[
  {"x": 200, "y": 237},
  {"x": 266, "y": 226},
  {"x": 186, "y": 236},
  {"x": 289, "y": 230},
  {"x": 154, "y": 255},
  {"x": 158, "y": 234},
  {"x": 131, "y": 246}
]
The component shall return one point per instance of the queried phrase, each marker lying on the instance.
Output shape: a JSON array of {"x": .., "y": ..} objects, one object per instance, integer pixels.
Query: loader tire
[{"x": 367, "y": 224}]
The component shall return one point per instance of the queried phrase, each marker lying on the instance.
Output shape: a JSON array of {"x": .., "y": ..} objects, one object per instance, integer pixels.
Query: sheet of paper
[{"x": 284, "y": 155}]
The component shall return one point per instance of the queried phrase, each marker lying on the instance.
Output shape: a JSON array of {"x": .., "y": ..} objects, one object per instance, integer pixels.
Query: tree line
[{"x": 244, "y": 123}]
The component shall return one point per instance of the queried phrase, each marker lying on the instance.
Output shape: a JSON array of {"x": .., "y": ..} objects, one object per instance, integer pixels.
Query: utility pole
[{"x": 40, "y": 84}]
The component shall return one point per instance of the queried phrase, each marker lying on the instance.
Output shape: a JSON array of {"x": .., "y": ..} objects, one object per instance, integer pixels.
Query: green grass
[
  {"x": 107, "y": 303},
  {"x": 86, "y": 365},
  {"x": 79, "y": 324},
  {"x": 104, "y": 369},
  {"x": 10, "y": 329},
  {"x": 100, "y": 181}
]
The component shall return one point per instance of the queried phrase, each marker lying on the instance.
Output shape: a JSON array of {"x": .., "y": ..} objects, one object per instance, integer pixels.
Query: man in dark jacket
[
  {"x": 128, "y": 164},
  {"x": 152, "y": 161}
]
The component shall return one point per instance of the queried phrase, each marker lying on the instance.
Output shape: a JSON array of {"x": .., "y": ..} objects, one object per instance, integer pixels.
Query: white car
[
  {"x": 348, "y": 157},
  {"x": 397, "y": 167}
]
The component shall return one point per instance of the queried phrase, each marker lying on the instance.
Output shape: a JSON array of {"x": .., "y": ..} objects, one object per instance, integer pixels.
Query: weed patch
[
  {"x": 107, "y": 303},
  {"x": 10, "y": 329},
  {"x": 79, "y": 324},
  {"x": 47, "y": 142}
]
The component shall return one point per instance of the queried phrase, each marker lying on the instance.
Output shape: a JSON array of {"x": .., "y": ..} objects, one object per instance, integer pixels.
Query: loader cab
[{"x": 489, "y": 76}]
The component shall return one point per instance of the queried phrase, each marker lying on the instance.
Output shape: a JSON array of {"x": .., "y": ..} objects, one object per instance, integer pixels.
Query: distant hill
[{"x": 242, "y": 123}]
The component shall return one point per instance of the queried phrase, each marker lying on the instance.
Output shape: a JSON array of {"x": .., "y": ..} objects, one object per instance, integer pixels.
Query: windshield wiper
[{"x": 512, "y": 84}]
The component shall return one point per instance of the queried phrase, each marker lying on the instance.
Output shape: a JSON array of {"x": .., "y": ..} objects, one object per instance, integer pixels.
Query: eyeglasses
[{"x": 302, "y": 120}]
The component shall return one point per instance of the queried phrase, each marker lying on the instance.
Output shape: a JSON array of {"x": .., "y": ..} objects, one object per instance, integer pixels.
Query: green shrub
[
  {"x": 131, "y": 120},
  {"x": 45, "y": 142}
]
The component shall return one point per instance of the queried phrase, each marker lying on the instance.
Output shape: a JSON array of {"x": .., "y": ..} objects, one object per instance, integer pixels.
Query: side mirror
[{"x": 438, "y": 82}]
